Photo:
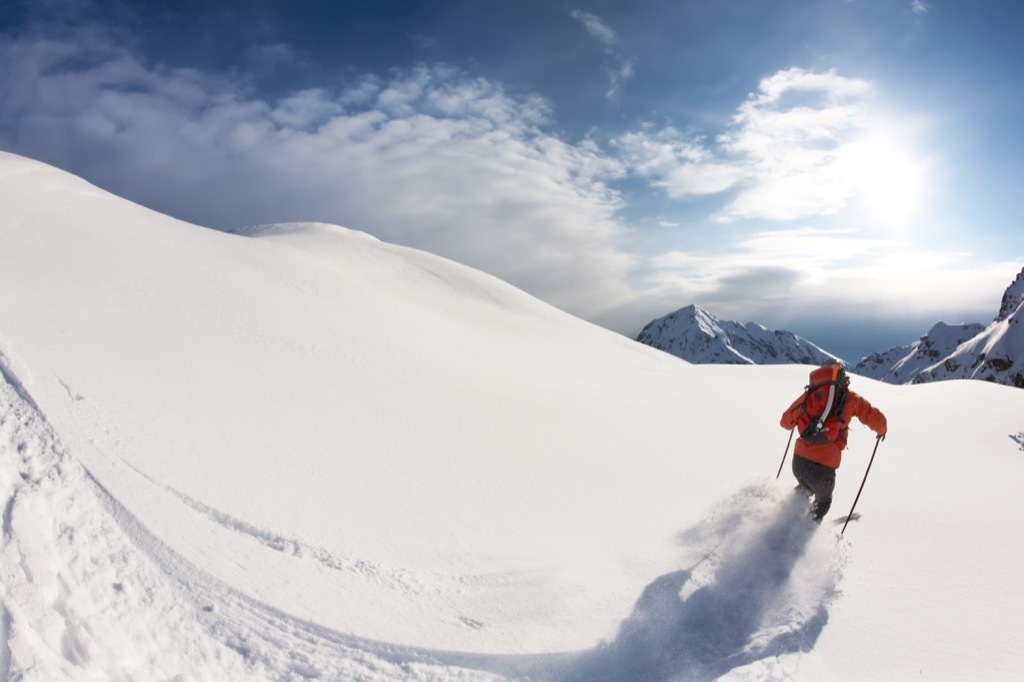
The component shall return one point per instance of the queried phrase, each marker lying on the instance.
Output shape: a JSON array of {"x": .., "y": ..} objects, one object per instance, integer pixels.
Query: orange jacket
[{"x": 830, "y": 454}]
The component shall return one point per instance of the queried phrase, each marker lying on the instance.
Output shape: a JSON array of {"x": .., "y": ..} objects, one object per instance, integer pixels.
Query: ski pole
[
  {"x": 784, "y": 453},
  {"x": 877, "y": 441}
]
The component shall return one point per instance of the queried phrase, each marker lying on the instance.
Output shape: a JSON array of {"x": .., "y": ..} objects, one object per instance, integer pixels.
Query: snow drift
[{"x": 300, "y": 452}]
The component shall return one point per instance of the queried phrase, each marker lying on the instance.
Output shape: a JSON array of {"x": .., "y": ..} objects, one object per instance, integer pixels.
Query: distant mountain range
[
  {"x": 962, "y": 351},
  {"x": 902, "y": 364},
  {"x": 697, "y": 336},
  {"x": 996, "y": 353}
]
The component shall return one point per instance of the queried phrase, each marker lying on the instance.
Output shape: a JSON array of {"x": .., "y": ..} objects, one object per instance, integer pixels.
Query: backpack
[{"x": 824, "y": 399}]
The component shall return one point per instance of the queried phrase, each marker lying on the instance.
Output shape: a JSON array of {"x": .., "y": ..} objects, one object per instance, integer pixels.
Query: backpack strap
[{"x": 828, "y": 405}]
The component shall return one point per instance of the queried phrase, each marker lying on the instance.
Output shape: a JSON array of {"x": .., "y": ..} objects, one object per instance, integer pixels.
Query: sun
[{"x": 887, "y": 178}]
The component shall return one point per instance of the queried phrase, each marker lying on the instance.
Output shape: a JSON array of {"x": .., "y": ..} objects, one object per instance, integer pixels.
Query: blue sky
[{"x": 844, "y": 169}]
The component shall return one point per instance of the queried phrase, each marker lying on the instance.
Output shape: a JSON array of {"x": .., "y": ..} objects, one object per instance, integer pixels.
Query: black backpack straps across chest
[{"x": 842, "y": 391}]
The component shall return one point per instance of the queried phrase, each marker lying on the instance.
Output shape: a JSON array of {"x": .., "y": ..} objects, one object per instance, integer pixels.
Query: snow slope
[
  {"x": 697, "y": 336},
  {"x": 303, "y": 453}
]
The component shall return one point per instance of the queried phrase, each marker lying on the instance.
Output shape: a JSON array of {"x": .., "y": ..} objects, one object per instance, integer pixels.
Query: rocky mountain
[
  {"x": 697, "y": 336},
  {"x": 995, "y": 354},
  {"x": 902, "y": 364},
  {"x": 1012, "y": 298},
  {"x": 947, "y": 351}
]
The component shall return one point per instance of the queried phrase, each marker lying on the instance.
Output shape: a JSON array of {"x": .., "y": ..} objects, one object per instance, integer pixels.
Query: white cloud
[
  {"x": 773, "y": 276},
  {"x": 809, "y": 253},
  {"x": 305, "y": 109},
  {"x": 699, "y": 179},
  {"x": 617, "y": 76},
  {"x": 657, "y": 153},
  {"x": 621, "y": 69},
  {"x": 920, "y": 7},
  {"x": 782, "y": 152},
  {"x": 595, "y": 27}
]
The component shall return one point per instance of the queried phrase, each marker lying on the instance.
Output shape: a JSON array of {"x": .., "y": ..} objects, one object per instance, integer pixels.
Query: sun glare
[{"x": 888, "y": 179}]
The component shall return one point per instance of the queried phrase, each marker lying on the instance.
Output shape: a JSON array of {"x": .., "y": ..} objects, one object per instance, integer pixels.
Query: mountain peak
[
  {"x": 697, "y": 336},
  {"x": 1012, "y": 298}
]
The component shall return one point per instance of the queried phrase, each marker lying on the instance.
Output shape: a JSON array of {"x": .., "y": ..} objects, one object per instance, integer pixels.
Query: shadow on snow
[{"x": 684, "y": 627}]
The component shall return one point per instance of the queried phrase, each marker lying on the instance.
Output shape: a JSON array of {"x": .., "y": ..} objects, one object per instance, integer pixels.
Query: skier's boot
[{"x": 821, "y": 507}]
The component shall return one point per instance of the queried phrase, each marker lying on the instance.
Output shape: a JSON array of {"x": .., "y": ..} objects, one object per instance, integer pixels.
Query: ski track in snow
[
  {"x": 292, "y": 546},
  {"x": 77, "y": 568},
  {"x": 85, "y": 582}
]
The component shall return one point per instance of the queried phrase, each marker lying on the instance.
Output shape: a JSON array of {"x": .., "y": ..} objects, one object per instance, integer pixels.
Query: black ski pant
[{"x": 817, "y": 479}]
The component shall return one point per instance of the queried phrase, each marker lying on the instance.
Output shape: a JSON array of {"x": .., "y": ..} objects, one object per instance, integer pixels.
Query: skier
[{"x": 822, "y": 415}]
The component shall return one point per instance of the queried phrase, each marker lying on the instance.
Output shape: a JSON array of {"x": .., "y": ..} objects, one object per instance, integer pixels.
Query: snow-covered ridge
[
  {"x": 697, "y": 336},
  {"x": 272, "y": 229},
  {"x": 967, "y": 351},
  {"x": 901, "y": 364}
]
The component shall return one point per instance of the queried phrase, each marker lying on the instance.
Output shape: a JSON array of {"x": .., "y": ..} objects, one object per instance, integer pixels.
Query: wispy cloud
[
  {"x": 782, "y": 155},
  {"x": 920, "y": 7},
  {"x": 618, "y": 75},
  {"x": 596, "y": 28},
  {"x": 620, "y": 68},
  {"x": 796, "y": 257},
  {"x": 803, "y": 271}
]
